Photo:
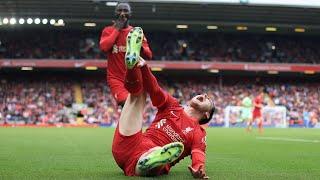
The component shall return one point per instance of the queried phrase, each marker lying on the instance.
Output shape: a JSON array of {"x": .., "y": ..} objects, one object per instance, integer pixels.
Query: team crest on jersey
[{"x": 187, "y": 130}]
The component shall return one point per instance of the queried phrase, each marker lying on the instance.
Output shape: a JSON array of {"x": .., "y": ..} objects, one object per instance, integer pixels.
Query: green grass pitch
[{"x": 85, "y": 153}]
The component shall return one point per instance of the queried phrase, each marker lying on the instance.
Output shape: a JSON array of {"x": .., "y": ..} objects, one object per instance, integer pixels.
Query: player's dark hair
[
  {"x": 206, "y": 120},
  {"x": 123, "y": 2}
]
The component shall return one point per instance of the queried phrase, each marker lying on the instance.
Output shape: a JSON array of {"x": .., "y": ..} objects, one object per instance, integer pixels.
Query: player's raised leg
[
  {"x": 131, "y": 116},
  {"x": 130, "y": 121}
]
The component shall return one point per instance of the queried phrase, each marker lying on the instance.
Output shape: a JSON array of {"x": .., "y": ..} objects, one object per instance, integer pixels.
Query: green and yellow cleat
[
  {"x": 134, "y": 43},
  {"x": 162, "y": 156}
]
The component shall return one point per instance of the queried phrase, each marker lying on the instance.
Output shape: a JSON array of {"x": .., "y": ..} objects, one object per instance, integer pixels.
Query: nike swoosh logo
[{"x": 173, "y": 114}]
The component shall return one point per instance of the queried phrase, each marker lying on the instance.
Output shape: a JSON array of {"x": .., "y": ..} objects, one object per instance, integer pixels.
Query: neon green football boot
[
  {"x": 159, "y": 157},
  {"x": 134, "y": 43}
]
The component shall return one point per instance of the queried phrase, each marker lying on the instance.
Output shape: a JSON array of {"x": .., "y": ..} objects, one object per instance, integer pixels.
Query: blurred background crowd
[
  {"x": 219, "y": 47},
  {"x": 52, "y": 101}
]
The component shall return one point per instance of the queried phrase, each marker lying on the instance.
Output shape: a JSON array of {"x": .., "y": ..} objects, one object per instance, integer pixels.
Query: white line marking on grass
[{"x": 288, "y": 139}]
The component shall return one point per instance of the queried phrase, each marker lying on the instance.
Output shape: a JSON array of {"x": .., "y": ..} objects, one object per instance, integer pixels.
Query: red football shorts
[
  {"x": 127, "y": 150},
  {"x": 256, "y": 114},
  {"x": 118, "y": 90}
]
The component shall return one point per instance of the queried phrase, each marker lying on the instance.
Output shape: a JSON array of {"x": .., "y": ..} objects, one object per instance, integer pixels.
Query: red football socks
[{"x": 133, "y": 81}]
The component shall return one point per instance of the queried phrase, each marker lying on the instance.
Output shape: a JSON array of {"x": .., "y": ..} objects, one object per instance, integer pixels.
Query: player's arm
[
  {"x": 108, "y": 38},
  {"x": 158, "y": 96},
  {"x": 198, "y": 157},
  {"x": 145, "y": 50}
]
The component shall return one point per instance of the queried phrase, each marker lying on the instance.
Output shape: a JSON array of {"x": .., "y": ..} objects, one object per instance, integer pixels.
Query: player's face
[
  {"x": 122, "y": 11},
  {"x": 201, "y": 103}
]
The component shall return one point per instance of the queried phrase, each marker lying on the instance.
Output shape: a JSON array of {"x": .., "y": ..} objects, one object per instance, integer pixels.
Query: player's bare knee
[{"x": 128, "y": 131}]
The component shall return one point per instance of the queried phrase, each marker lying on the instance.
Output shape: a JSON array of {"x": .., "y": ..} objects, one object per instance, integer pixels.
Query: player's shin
[
  {"x": 249, "y": 126},
  {"x": 260, "y": 126}
]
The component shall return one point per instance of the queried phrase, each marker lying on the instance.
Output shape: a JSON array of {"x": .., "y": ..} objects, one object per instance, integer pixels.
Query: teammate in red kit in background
[
  {"x": 113, "y": 42},
  {"x": 257, "y": 113}
]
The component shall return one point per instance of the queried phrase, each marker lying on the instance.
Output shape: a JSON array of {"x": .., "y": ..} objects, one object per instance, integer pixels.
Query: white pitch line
[{"x": 288, "y": 139}]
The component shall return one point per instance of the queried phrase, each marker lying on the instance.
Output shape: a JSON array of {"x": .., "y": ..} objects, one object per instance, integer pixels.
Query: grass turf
[{"x": 85, "y": 153}]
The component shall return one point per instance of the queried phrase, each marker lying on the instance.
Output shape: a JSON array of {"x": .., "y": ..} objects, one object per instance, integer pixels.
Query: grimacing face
[
  {"x": 202, "y": 103},
  {"x": 123, "y": 10}
]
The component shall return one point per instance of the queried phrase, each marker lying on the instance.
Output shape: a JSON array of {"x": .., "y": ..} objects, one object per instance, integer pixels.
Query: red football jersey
[
  {"x": 258, "y": 101},
  {"x": 113, "y": 42},
  {"x": 172, "y": 124}
]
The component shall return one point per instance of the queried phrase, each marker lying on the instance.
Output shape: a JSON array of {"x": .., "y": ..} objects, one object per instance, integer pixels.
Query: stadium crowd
[
  {"x": 222, "y": 47},
  {"x": 51, "y": 102},
  {"x": 101, "y": 106},
  {"x": 34, "y": 102}
]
